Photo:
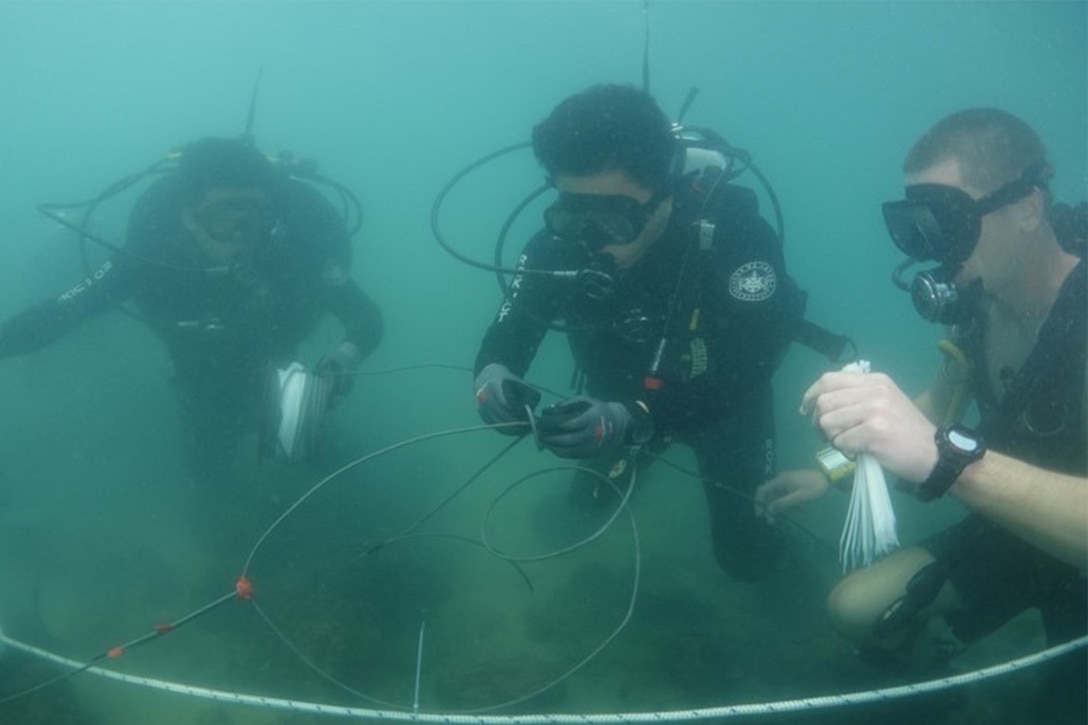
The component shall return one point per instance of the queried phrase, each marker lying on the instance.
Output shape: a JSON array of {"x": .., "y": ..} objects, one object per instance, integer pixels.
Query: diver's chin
[
  {"x": 618, "y": 255},
  {"x": 625, "y": 256}
]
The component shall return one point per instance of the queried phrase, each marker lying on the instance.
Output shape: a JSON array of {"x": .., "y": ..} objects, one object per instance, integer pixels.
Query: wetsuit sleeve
[
  {"x": 47, "y": 322},
  {"x": 318, "y": 232},
  {"x": 360, "y": 315},
  {"x": 742, "y": 326},
  {"x": 529, "y": 306}
]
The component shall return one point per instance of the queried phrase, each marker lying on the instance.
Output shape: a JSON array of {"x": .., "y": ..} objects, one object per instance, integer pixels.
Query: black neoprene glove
[
  {"x": 503, "y": 397},
  {"x": 340, "y": 364},
  {"x": 581, "y": 427}
]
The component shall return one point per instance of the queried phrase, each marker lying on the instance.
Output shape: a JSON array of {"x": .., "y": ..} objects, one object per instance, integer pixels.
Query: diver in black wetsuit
[
  {"x": 678, "y": 320},
  {"x": 232, "y": 262},
  {"x": 1012, "y": 285}
]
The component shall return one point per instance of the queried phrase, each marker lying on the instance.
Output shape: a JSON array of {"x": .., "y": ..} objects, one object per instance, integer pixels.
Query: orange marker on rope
[{"x": 244, "y": 589}]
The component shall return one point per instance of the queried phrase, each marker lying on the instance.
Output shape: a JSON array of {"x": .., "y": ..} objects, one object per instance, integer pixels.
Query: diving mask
[
  {"x": 943, "y": 223},
  {"x": 235, "y": 220},
  {"x": 599, "y": 220}
]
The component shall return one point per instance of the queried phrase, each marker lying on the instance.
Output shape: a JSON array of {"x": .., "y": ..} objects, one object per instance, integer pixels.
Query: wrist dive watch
[{"x": 957, "y": 448}]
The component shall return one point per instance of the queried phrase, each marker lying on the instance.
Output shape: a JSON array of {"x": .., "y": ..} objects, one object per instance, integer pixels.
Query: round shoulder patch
[{"x": 753, "y": 282}]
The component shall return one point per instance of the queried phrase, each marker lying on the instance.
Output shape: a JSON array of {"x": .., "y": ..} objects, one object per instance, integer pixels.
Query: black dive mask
[
  {"x": 234, "y": 221},
  {"x": 599, "y": 220},
  {"x": 942, "y": 223}
]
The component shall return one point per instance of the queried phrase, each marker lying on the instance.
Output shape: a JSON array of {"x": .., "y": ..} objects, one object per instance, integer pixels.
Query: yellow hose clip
[{"x": 961, "y": 393}]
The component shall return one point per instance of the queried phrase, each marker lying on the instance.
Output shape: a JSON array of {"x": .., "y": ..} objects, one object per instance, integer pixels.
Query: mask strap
[{"x": 1013, "y": 191}]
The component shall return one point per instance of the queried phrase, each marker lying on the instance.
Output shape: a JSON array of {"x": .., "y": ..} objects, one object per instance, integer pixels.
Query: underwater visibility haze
[{"x": 105, "y": 533}]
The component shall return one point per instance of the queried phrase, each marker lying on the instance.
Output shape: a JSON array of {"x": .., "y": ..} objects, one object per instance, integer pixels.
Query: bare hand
[
  {"x": 789, "y": 489},
  {"x": 868, "y": 413}
]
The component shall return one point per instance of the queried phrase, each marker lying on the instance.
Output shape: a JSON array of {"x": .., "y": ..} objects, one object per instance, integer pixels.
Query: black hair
[
  {"x": 992, "y": 146},
  {"x": 223, "y": 162},
  {"x": 606, "y": 128}
]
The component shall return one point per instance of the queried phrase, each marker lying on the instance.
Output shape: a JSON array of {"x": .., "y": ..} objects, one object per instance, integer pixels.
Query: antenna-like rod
[
  {"x": 419, "y": 666},
  {"x": 688, "y": 100},
  {"x": 247, "y": 135},
  {"x": 646, "y": 46}
]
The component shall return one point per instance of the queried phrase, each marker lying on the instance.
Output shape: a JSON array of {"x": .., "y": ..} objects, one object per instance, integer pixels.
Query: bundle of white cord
[{"x": 869, "y": 532}]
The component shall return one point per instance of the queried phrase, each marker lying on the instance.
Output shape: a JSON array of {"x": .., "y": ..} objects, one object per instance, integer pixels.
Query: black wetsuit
[
  {"x": 223, "y": 327},
  {"x": 724, "y": 312},
  {"x": 1040, "y": 419}
]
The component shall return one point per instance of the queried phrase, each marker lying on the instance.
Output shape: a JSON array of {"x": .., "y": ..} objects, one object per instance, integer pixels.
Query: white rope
[{"x": 809, "y": 703}]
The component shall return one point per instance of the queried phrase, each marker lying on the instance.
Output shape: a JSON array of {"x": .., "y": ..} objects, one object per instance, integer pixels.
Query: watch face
[{"x": 966, "y": 443}]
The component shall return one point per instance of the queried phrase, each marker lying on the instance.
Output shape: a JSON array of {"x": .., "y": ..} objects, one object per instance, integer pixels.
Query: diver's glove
[
  {"x": 581, "y": 427},
  {"x": 502, "y": 397},
  {"x": 339, "y": 365}
]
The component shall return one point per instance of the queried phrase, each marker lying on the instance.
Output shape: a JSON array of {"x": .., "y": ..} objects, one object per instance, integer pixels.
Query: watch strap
[
  {"x": 941, "y": 479},
  {"x": 950, "y": 463}
]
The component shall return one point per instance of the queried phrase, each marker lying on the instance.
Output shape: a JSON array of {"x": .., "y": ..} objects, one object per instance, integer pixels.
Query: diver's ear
[{"x": 1031, "y": 211}]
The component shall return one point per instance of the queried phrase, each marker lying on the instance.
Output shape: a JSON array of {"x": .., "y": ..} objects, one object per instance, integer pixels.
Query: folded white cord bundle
[{"x": 869, "y": 532}]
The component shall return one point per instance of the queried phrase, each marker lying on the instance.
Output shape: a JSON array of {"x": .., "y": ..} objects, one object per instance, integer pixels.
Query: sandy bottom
[{"x": 96, "y": 550}]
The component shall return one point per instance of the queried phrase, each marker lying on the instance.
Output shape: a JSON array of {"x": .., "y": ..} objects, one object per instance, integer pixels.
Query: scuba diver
[
  {"x": 232, "y": 261},
  {"x": 677, "y": 317},
  {"x": 1010, "y": 284}
]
